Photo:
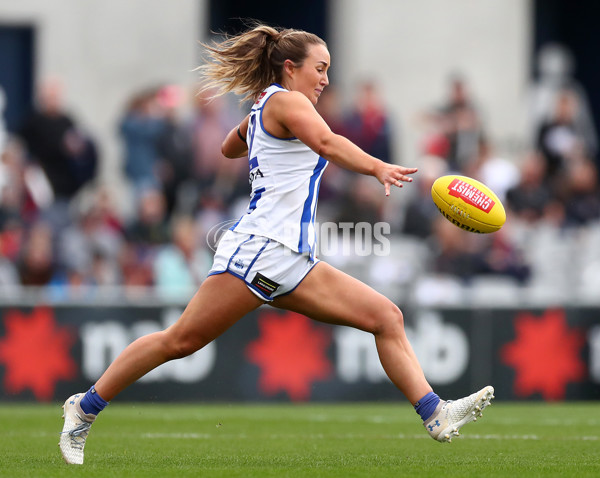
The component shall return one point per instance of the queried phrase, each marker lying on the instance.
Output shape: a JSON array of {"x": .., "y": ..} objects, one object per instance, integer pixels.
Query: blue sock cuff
[
  {"x": 92, "y": 402},
  {"x": 427, "y": 405}
]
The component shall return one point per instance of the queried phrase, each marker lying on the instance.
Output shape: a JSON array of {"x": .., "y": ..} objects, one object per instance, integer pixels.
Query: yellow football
[{"x": 468, "y": 203}]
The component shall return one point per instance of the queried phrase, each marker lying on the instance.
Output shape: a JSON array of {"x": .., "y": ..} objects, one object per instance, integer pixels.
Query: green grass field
[{"x": 374, "y": 440}]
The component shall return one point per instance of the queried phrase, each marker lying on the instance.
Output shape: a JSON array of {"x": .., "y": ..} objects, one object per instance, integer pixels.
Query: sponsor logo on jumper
[
  {"x": 255, "y": 172},
  {"x": 260, "y": 97},
  {"x": 471, "y": 195}
]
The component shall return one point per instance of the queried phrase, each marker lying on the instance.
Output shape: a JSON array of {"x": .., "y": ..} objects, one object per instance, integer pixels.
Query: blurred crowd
[{"x": 63, "y": 229}]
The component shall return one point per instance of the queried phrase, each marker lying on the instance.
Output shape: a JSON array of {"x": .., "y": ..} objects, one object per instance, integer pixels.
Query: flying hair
[{"x": 249, "y": 62}]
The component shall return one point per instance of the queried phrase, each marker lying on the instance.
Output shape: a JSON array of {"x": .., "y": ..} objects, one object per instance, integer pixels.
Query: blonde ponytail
[{"x": 247, "y": 63}]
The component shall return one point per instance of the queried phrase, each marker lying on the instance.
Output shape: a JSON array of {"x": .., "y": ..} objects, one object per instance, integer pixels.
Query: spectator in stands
[
  {"x": 12, "y": 238},
  {"x": 360, "y": 202},
  {"x": 105, "y": 270},
  {"x": 465, "y": 255},
  {"x": 11, "y": 226},
  {"x": 102, "y": 203},
  {"x": 135, "y": 264},
  {"x": 66, "y": 154},
  {"x": 17, "y": 207},
  {"x": 498, "y": 173},
  {"x": 140, "y": 128},
  {"x": 150, "y": 227},
  {"x": 581, "y": 193},
  {"x": 368, "y": 124},
  {"x": 176, "y": 154},
  {"x": 436, "y": 137},
  {"x": 180, "y": 266},
  {"x": 331, "y": 109},
  {"x": 12, "y": 183},
  {"x": 462, "y": 123},
  {"x": 91, "y": 235},
  {"x": 70, "y": 284},
  {"x": 24, "y": 189},
  {"x": 3, "y": 131},
  {"x": 9, "y": 278},
  {"x": 37, "y": 263},
  {"x": 221, "y": 181},
  {"x": 555, "y": 75},
  {"x": 502, "y": 256},
  {"x": 532, "y": 198},
  {"x": 560, "y": 138},
  {"x": 144, "y": 235},
  {"x": 455, "y": 252},
  {"x": 336, "y": 181},
  {"x": 421, "y": 212}
]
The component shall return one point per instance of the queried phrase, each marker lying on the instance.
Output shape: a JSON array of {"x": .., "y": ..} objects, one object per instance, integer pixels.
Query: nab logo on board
[
  {"x": 104, "y": 341},
  {"x": 442, "y": 349}
]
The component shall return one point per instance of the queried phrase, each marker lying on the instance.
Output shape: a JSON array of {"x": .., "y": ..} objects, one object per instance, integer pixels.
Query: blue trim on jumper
[
  {"x": 307, "y": 212},
  {"x": 312, "y": 253},
  {"x": 232, "y": 228},
  {"x": 238, "y": 250},
  {"x": 261, "y": 109},
  {"x": 257, "y": 195},
  {"x": 252, "y": 131},
  {"x": 256, "y": 257}
]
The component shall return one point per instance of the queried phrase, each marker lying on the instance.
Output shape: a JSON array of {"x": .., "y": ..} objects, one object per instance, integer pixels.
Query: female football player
[{"x": 268, "y": 256}]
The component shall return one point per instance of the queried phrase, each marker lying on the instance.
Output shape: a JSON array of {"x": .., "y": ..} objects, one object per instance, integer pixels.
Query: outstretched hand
[{"x": 393, "y": 175}]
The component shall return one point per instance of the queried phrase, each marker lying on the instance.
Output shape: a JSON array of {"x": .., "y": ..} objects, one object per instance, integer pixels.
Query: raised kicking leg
[{"x": 329, "y": 295}]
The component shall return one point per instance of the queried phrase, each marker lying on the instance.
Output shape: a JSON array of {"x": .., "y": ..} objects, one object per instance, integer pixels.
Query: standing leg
[{"x": 219, "y": 303}]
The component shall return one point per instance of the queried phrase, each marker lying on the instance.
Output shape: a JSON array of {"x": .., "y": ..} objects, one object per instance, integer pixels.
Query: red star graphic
[
  {"x": 36, "y": 353},
  {"x": 545, "y": 355},
  {"x": 290, "y": 353}
]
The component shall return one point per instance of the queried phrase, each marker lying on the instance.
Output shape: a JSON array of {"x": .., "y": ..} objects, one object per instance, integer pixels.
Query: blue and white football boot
[
  {"x": 75, "y": 430},
  {"x": 450, "y": 415}
]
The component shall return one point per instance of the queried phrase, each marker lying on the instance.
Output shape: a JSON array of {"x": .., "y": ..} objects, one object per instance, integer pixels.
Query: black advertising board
[{"x": 50, "y": 352}]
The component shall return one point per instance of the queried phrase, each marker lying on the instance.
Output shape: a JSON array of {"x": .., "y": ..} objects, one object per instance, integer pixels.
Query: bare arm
[
  {"x": 233, "y": 146},
  {"x": 295, "y": 113}
]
